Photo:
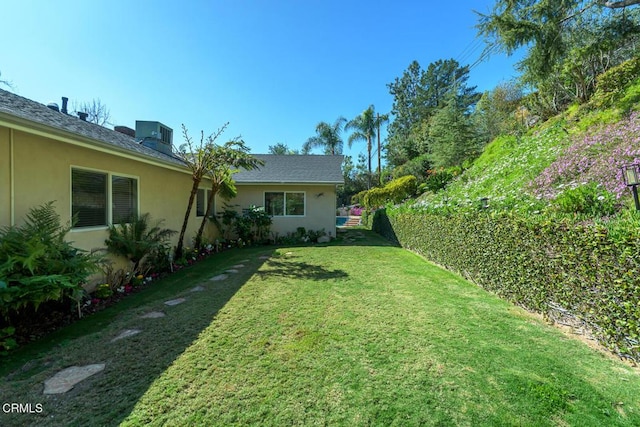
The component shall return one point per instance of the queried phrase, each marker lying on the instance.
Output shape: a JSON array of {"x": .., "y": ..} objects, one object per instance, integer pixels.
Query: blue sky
[{"x": 273, "y": 69}]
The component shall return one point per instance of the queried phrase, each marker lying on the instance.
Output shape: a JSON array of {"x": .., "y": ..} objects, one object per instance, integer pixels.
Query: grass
[{"x": 358, "y": 334}]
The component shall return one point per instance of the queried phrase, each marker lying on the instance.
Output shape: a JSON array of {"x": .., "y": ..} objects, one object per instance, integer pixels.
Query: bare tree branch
[
  {"x": 618, "y": 4},
  {"x": 7, "y": 83},
  {"x": 98, "y": 112}
]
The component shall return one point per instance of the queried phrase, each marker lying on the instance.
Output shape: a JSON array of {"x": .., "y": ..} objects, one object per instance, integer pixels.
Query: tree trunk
[
  {"x": 212, "y": 196},
  {"x": 183, "y": 230},
  {"x": 369, "y": 158}
]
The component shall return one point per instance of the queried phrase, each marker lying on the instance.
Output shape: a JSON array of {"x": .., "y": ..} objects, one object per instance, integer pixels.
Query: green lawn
[{"x": 359, "y": 333}]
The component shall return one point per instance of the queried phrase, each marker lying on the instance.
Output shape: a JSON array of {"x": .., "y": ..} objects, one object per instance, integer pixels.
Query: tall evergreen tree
[
  {"x": 452, "y": 137},
  {"x": 418, "y": 95}
]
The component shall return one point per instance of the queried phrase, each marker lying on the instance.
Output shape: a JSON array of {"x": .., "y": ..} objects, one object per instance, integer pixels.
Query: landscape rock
[
  {"x": 153, "y": 315},
  {"x": 126, "y": 333},
  {"x": 66, "y": 379}
]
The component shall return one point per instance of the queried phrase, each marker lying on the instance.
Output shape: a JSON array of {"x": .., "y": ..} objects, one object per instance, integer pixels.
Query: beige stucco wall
[
  {"x": 42, "y": 172},
  {"x": 5, "y": 174},
  {"x": 320, "y": 206}
]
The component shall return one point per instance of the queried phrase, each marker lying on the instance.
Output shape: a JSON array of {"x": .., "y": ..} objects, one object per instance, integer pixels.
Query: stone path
[
  {"x": 65, "y": 380},
  {"x": 126, "y": 334}
]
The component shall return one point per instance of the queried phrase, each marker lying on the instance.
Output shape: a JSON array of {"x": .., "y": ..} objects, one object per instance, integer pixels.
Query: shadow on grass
[
  {"x": 287, "y": 268},
  {"x": 132, "y": 364},
  {"x": 363, "y": 237}
]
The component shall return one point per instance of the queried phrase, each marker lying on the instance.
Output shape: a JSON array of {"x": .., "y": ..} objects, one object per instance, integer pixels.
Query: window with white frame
[
  {"x": 101, "y": 198},
  {"x": 284, "y": 203}
]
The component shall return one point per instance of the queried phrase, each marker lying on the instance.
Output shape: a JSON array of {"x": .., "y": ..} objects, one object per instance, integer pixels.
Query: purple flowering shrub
[
  {"x": 356, "y": 211},
  {"x": 593, "y": 158}
]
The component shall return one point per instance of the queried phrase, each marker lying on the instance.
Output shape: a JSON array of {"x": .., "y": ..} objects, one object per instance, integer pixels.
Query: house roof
[
  {"x": 14, "y": 107},
  {"x": 282, "y": 169},
  {"x": 294, "y": 169}
]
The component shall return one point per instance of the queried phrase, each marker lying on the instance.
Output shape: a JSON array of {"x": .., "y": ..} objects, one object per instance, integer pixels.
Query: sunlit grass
[{"x": 365, "y": 334}]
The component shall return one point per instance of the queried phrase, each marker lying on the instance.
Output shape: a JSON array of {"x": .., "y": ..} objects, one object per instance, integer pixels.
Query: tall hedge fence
[{"x": 541, "y": 264}]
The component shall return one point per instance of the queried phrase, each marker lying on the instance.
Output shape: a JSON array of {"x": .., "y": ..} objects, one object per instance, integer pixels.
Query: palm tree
[
  {"x": 365, "y": 128},
  {"x": 226, "y": 160},
  {"x": 198, "y": 158},
  {"x": 328, "y": 137}
]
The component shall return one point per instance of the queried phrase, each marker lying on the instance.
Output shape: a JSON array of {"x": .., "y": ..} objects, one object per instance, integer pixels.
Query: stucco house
[{"x": 104, "y": 176}]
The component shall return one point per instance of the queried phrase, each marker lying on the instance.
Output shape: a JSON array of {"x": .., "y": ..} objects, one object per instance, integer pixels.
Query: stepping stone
[
  {"x": 153, "y": 315},
  {"x": 238, "y": 266},
  {"x": 64, "y": 380},
  {"x": 176, "y": 301},
  {"x": 126, "y": 333},
  {"x": 264, "y": 257},
  {"x": 197, "y": 289},
  {"x": 245, "y": 260},
  {"x": 219, "y": 277},
  {"x": 232, "y": 270}
]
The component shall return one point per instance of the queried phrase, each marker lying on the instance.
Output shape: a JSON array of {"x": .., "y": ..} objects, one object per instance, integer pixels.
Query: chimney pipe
[
  {"x": 83, "y": 116},
  {"x": 64, "y": 104}
]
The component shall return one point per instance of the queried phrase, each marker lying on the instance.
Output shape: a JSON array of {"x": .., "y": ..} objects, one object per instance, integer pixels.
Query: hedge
[{"x": 544, "y": 265}]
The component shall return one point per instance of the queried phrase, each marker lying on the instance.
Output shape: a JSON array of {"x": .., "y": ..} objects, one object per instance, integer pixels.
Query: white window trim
[
  {"x": 264, "y": 203},
  {"x": 109, "y": 195}
]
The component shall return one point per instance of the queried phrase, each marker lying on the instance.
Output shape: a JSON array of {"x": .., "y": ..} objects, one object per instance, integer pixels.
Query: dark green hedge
[{"x": 535, "y": 262}]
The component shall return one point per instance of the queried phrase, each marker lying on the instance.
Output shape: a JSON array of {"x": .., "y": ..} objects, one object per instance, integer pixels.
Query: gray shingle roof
[
  {"x": 289, "y": 169},
  {"x": 26, "y": 109}
]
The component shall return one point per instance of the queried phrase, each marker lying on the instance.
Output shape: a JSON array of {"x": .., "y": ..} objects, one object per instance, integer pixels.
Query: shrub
[
  {"x": 589, "y": 199},
  {"x": 587, "y": 268},
  {"x": 103, "y": 291},
  {"x": 611, "y": 85},
  {"x": 38, "y": 265},
  {"x": 138, "y": 239},
  {"x": 395, "y": 191}
]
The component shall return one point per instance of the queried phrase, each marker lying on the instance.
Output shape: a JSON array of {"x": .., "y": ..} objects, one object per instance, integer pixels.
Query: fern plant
[
  {"x": 137, "y": 239},
  {"x": 38, "y": 265}
]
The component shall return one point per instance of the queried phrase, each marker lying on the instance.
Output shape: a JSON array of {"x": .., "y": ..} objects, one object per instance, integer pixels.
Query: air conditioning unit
[{"x": 155, "y": 135}]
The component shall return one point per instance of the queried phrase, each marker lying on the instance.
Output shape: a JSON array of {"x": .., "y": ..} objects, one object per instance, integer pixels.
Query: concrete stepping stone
[
  {"x": 197, "y": 289},
  {"x": 245, "y": 260},
  {"x": 219, "y": 277},
  {"x": 238, "y": 266},
  {"x": 66, "y": 379},
  {"x": 232, "y": 270},
  {"x": 264, "y": 257},
  {"x": 153, "y": 315},
  {"x": 126, "y": 333},
  {"x": 176, "y": 301}
]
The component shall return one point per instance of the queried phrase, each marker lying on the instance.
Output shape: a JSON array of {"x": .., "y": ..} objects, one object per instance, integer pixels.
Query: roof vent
[
  {"x": 53, "y": 106},
  {"x": 83, "y": 116},
  {"x": 64, "y": 104}
]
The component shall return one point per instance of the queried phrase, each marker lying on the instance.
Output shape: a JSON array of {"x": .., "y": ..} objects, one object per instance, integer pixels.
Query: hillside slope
[{"x": 584, "y": 145}]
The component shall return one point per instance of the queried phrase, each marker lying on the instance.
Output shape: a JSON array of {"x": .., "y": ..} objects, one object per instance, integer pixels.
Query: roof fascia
[{"x": 34, "y": 128}]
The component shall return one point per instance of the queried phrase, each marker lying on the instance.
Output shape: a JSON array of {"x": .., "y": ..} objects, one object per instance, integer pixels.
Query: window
[
  {"x": 100, "y": 198},
  {"x": 202, "y": 200},
  {"x": 284, "y": 203},
  {"x": 124, "y": 199},
  {"x": 89, "y": 198}
]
